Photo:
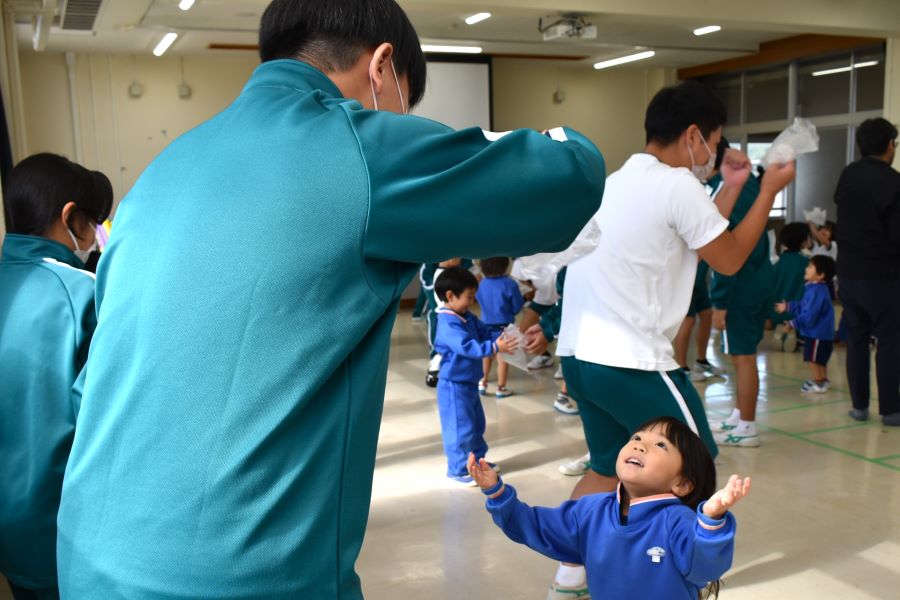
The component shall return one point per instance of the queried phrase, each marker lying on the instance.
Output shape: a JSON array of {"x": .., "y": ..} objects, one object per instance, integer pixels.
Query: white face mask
[
  {"x": 82, "y": 254},
  {"x": 399, "y": 91},
  {"x": 702, "y": 172}
]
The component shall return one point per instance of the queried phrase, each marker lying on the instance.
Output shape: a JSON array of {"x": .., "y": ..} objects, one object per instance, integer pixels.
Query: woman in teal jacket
[{"x": 47, "y": 318}]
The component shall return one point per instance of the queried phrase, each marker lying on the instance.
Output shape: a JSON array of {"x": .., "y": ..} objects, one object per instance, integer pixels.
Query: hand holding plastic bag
[
  {"x": 800, "y": 138},
  {"x": 517, "y": 357}
]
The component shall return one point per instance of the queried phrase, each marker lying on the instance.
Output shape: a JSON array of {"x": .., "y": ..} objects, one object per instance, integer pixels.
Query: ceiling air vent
[{"x": 80, "y": 14}]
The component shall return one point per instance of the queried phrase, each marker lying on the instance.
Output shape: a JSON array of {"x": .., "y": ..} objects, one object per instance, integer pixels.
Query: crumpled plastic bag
[
  {"x": 817, "y": 216},
  {"x": 799, "y": 138},
  {"x": 548, "y": 264},
  {"x": 517, "y": 357}
]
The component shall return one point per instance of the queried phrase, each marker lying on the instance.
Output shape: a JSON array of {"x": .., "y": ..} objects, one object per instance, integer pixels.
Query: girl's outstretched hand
[
  {"x": 728, "y": 496},
  {"x": 481, "y": 472}
]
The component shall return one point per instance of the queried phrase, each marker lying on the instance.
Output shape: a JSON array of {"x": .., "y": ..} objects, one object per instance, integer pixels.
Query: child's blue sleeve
[
  {"x": 703, "y": 548},
  {"x": 453, "y": 334},
  {"x": 807, "y": 310},
  {"x": 551, "y": 531}
]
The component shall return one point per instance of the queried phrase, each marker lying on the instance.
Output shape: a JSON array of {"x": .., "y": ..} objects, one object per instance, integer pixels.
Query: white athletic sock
[
  {"x": 734, "y": 417},
  {"x": 746, "y": 428},
  {"x": 435, "y": 363},
  {"x": 571, "y": 577}
]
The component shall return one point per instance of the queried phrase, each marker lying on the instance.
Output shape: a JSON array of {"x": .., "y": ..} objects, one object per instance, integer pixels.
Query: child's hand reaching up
[
  {"x": 483, "y": 474},
  {"x": 728, "y": 496}
]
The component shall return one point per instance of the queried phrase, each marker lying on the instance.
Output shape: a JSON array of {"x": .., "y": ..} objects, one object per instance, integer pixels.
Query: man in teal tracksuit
[{"x": 226, "y": 439}]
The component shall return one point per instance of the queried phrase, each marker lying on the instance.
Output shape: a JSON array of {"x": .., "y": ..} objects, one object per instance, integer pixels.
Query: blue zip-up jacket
[
  {"x": 665, "y": 550},
  {"x": 500, "y": 300},
  {"x": 462, "y": 341},
  {"x": 233, "y": 397},
  {"x": 47, "y": 318},
  {"x": 814, "y": 313}
]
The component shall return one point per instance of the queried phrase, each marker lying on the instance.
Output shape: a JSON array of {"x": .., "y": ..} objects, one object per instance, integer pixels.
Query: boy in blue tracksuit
[
  {"x": 500, "y": 301},
  {"x": 814, "y": 320},
  {"x": 462, "y": 341}
]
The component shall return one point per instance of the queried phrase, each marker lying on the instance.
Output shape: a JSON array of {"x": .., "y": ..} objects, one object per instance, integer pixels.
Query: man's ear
[{"x": 381, "y": 58}]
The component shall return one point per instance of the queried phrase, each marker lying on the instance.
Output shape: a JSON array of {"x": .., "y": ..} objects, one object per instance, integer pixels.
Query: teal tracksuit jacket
[
  {"x": 47, "y": 318},
  {"x": 233, "y": 395}
]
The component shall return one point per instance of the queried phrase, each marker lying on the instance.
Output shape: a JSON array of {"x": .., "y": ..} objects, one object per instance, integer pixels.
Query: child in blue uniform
[
  {"x": 654, "y": 537},
  {"x": 462, "y": 341},
  {"x": 500, "y": 301},
  {"x": 814, "y": 320}
]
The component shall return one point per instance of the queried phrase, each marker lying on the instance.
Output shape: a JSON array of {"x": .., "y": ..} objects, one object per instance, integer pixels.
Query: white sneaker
[
  {"x": 710, "y": 368},
  {"x": 541, "y": 361},
  {"x": 720, "y": 426},
  {"x": 566, "y": 405},
  {"x": 561, "y": 592},
  {"x": 558, "y": 374},
  {"x": 577, "y": 467},
  {"x": 730, "y": 438},
  {"x": 698, "y": 373}
]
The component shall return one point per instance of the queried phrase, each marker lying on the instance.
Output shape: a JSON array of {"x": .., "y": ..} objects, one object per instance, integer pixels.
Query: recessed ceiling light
[
  {"x": 477, "y": 18},
  {"x": 185, "y": 4},
  {"x": 869, "y": 63},
  {"x": 707, "y": 29},
  {"x": 164, "y": 43},
  {"x": 452, "y": 49},
  {"x": 625, "y": 59}
]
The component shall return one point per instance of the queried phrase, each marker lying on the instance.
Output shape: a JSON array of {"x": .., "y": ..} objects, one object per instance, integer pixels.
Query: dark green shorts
[
  {"x": 699, "y": 301},
  {"x": 540, "y": 309},
  {"x": 744, "y": 328},
  {"x": 614, "y": 402}
]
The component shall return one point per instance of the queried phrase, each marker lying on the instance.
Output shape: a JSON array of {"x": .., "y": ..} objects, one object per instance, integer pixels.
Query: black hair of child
[
  {"x": 874, "y": 135},
  {"x": 494, "y": 267},
  {"x": 456, "y": 280},
  {"x": 675, "y": 108},
  {"x": 698, "y": 466},
  {"x": 793, "y": 236},
  {"x": 825, "y": 266},
  {"x": 332, "y": 34}
]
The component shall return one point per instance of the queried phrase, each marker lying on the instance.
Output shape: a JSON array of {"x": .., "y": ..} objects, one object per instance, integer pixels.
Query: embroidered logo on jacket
[{"x": 656, "y": 553}]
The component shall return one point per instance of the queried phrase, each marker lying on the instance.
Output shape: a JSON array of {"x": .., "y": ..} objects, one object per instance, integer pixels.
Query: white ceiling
[{"x": 135, "y": 26}]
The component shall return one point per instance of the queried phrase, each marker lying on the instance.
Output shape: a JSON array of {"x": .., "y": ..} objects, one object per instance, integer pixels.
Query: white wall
[{"x": 892, "y": 86}]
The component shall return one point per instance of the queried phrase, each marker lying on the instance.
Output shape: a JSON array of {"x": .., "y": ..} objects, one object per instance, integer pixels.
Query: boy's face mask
[
  {"x": 82, "y": 254},
  {"x": 399, "y": 91},
  {"x": 702, "y": 172}
]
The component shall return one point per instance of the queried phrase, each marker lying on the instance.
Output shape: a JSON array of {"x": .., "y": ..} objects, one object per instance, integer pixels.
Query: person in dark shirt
[{"x": 868, "y": 266}]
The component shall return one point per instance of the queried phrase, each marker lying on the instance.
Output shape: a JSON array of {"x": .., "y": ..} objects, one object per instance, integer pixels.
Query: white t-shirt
[{"x": 624, "y": 302}]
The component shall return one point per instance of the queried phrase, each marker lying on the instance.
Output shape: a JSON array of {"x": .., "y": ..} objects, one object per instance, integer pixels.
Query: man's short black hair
[
  {"x": 456, "y": 280},
  {"x": 495, "y": 266},
  {"x": 37, "y": 189},
  {"x": 874, "y": 135},
  {"x": 793, "y": 236},
  {"x": 675, "y": 108},
  {"x": 720, "y": 152},
  {"x": 332, "y": 34},
  {"x": 824, "y": 265}
]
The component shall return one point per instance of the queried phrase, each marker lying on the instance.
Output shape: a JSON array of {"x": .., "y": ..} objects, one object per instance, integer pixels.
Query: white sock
[
  {"x": 734, "y": 417},
  {"x": 571, "y": 577},
  {"x": 746, "y": 428},
  {"x": 435, "y": 363}
]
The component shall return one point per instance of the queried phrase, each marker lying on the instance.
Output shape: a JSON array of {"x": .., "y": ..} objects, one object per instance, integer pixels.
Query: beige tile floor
[{"x": 823, "y": 519}]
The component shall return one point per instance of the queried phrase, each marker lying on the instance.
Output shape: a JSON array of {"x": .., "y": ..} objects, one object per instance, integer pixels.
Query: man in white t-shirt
[{"x": 624, "y": 302}]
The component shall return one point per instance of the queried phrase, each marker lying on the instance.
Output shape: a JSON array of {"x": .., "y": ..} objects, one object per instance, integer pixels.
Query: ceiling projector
[{"x": 567, "y": 27}]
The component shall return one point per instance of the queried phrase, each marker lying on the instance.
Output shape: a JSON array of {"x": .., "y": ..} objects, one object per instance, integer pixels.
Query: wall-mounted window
[{"x": 766, "y": 94}]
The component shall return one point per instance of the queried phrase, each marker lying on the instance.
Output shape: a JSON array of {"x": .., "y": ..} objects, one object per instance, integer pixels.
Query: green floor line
[
  {"x": 789, "y": 378},
  {"x": 838, "y": 428},
  {"x": 889, "y": 457},
  {"x": 861, "y": 457},
  {"x": 799, "y": 406}
]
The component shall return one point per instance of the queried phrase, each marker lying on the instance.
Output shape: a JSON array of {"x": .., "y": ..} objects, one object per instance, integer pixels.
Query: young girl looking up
[{"x": 655, "y": 537}]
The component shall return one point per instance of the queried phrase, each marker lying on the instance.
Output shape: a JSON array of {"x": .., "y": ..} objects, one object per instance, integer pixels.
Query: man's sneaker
[
  {"x": 566, "y": 405},
  {"x": 560, "y": 592},
  {"x": 482, "y": 387},
  {"x": 814, "y": 387},
  {"x": 417, "y": 318},
  {"x": 541, "y": 361},
  {"x": 730, "y": 438},
  {"x": 558, "y": 373},
  {"x": 503, "y": 392},
  {"x": 807, "y": 385},
  {"x": 577, "y": 467},
  {"x": 462, "y": 480},
  {"x": 710, "y": 368},
  {"x": 698, "y": 373},
  {"x": 859, "y": 414},
  {"x": 431, "y": 378},
  {"x": 720, "y": 426}
]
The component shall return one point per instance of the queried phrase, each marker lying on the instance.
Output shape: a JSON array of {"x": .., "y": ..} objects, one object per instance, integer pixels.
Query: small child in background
[
  {"x": 814, "y": 320},
  {"x": 653, "y": 538},
  {"x": 823, "y": 239},
  {"x": 428, "y": 274},
  {"x": 463, "y": 341},
  {"x": 500, "y": 301},
  {"x": 788, "y": 275}
]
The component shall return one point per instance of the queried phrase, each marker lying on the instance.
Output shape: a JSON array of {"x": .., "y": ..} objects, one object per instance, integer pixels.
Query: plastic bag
[
  {"x": 817, "y": 216},
  {"x": 548, "y": 264},
  {"x": 800, "y": 138},
  {"x": 517, "y": 358}
]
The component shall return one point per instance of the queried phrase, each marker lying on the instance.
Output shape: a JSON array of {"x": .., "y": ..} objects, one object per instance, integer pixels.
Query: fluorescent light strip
[
  {"x": 625, "y": 59},
  {"x": 185, "y": 4},
  {"x": 477, "y": 18},
  {"x": 451, "y": 49},
  {"x": 707, "y": 29},
  {"x": 164, "y": 43},
  {"x": 870, "y": 63}
]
